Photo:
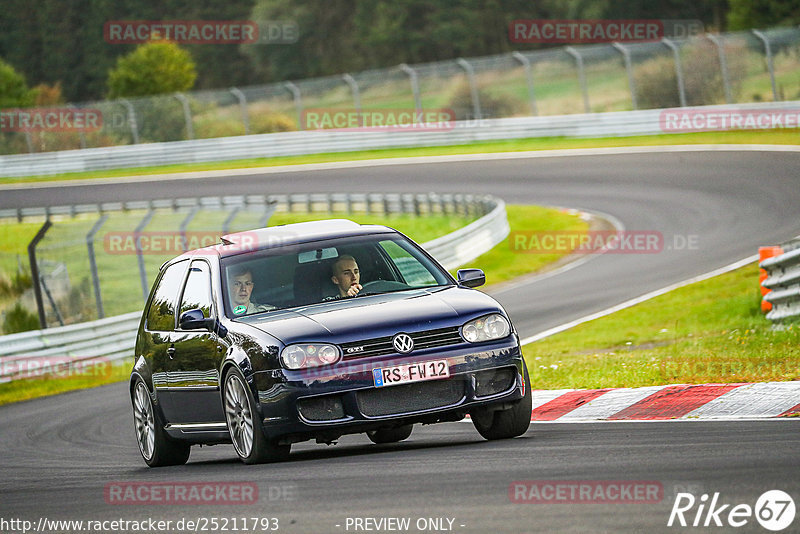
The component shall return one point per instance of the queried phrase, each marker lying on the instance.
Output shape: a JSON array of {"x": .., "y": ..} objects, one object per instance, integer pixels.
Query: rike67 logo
[{"x": 774, "y": 510}]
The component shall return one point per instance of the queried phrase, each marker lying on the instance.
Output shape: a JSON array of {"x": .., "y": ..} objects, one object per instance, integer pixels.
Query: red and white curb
[{"x": 683, "y": 402}]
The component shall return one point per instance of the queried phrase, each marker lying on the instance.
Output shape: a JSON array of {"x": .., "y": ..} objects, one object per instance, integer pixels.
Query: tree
[
  {"x": 153, "y": 68},
  {"x": 14, "y": 92},
  {"x": 746, "y": 14}
]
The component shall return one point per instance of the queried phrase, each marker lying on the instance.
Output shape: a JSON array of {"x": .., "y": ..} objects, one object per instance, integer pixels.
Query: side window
[
  {"x": 161, "y": 315},
  {"x": 197, "y": 293},
  {"x": 414, "y": 273}
]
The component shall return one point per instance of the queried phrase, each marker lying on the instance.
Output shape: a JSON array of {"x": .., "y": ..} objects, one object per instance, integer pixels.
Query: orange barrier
[{"x": 763, "y": 254}]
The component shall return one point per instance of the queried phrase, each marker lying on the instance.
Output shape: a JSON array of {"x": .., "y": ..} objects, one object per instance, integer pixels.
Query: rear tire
[
  {"x": 510, "y": 423},
  {"x": 390, "y": 435},
  {"x": 157, "y": 447},
  {"x": 251, "y": 444}
]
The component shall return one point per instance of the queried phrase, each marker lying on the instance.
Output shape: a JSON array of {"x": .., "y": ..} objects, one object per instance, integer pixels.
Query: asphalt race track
[{"x": 60, "y": 453}]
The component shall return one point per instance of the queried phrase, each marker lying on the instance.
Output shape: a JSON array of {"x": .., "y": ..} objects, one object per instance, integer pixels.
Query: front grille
[
  {"x": 327, "y": 408},
  {"x": 380, "y": 346},
  {"x": 407, "y": 398},
  {"x": 494, "y": 381}
]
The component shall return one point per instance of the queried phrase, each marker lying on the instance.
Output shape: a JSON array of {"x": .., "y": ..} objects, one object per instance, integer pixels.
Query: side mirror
[
  {"x": 471, "y": 277},
  {"x": 195, "y": 320}
]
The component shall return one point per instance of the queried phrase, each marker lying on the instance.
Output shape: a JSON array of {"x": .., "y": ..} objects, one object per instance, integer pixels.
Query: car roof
[{"x": 287, "y": 234}]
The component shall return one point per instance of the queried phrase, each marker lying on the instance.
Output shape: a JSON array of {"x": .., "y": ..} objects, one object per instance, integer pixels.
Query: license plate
[{"x": 410, "y": 372}]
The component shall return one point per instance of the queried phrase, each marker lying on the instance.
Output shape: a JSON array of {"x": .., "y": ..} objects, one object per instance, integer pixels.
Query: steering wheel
[{"x": 377, "y": 286}]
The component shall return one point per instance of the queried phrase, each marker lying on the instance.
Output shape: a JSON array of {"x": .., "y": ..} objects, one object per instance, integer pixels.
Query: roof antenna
[{"x": 226, "y": 241}]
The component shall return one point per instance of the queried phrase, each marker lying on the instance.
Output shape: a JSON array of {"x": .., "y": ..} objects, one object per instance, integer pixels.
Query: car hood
[{"x": 373, "y": 316}]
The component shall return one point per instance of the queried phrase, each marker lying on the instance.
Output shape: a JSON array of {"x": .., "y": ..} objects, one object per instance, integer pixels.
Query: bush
[
  {"x": 18, "y": 319},
  {"x": 153, "y": 68},
  {"x": 657, "y": 83},
  {"x": 14, "y": 92},
  {"x": 460, "y": 102},
  {"x": 16, "y": 286},
  {"x": 270, "y": 122}
]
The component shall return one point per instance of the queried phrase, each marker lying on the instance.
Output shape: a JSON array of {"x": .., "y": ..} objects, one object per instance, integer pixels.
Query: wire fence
[{"x": 738, "y": 67}]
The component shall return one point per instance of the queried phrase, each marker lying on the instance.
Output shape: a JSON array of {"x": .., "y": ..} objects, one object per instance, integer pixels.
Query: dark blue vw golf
[{"x": 313, "y": 331}]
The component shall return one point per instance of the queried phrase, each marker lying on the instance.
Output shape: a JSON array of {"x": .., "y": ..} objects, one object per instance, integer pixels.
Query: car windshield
[{"x": 323, "y": 271}]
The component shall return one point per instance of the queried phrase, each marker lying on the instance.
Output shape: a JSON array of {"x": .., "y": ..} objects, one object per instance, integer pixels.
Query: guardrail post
[
  {"x": 139, "y": 257},
  {"x": 350, "y": 81},
  {"x": 184, "y": 224},
  {"x": 298, "y": 102},
  {"x": 412, "y": 76},
  {"x": 581, "y": 76},
  {"x": 626, "y": 56},
  {"x": 676, "y": 54},
  {"x": 37, "y": 290},
  {"x": 93, "y": 264},
  {"x": 723, "y": 65},
  {"x": 770, "y": 66},
  {"x": 269, "y": 209},
  {"x": 243, "y": 105},
  {"x": 526, "y": 63},
  {"x": 187, "y": 114},
  {"x": 52, "y": 301},
  {"x": 131, "y": 119},
  {"x": 473, "y": 87},
  {"x": 226, "y": 225}
]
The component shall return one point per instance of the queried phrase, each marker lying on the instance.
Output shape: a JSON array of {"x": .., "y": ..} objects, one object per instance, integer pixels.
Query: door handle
[{"x": 171, "y": 352}]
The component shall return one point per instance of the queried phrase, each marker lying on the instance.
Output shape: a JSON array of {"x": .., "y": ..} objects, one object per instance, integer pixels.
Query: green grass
[
  {"x": 707, "y": 332},
  {"x": 502, "y": 263},
  {"x": 781, "y": 137},
  {"x": 32, "y": 388}
]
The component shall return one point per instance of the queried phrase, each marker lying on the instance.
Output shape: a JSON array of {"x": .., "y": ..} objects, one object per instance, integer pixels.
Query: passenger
[{"x": 241, "y": 288}]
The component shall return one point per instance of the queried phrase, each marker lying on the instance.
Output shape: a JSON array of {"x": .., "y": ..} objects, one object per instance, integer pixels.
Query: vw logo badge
[{"x": 403, "y": 343}]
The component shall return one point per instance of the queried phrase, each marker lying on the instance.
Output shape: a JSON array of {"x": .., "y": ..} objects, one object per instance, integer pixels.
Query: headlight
[
  {"x": 305, "y": 355},
  {"x": 493, "y": 326}
]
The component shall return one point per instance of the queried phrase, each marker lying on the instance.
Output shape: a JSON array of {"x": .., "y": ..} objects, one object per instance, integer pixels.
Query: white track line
[{"x": 638, "y": 300}]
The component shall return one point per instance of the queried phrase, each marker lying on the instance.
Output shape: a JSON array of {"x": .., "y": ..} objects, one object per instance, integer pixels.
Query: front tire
[
  {"x": 390, "y": 435},
  {"x": 510, "y": 423},
  {"x": 157, "y": 448},
  {"x": 244, "y": 425}
]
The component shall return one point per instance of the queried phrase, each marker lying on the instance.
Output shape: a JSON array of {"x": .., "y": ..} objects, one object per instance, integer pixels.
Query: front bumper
[{"x": 342, "y": 399}]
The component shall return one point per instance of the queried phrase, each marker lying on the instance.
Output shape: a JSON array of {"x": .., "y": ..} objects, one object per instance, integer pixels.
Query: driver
[
  {"x": 241, "y": 288},
  {"x": 346, "y": 276}
]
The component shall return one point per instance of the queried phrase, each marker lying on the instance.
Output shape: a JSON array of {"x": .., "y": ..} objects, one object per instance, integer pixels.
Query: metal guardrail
[
  {"x": 624, "y": 123},
  {"x": 34, "y": 353},
  {"x": 39, "y": 352},
  {"x": 783, "y": 281},
  {"x": 378, "y": 203}
]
